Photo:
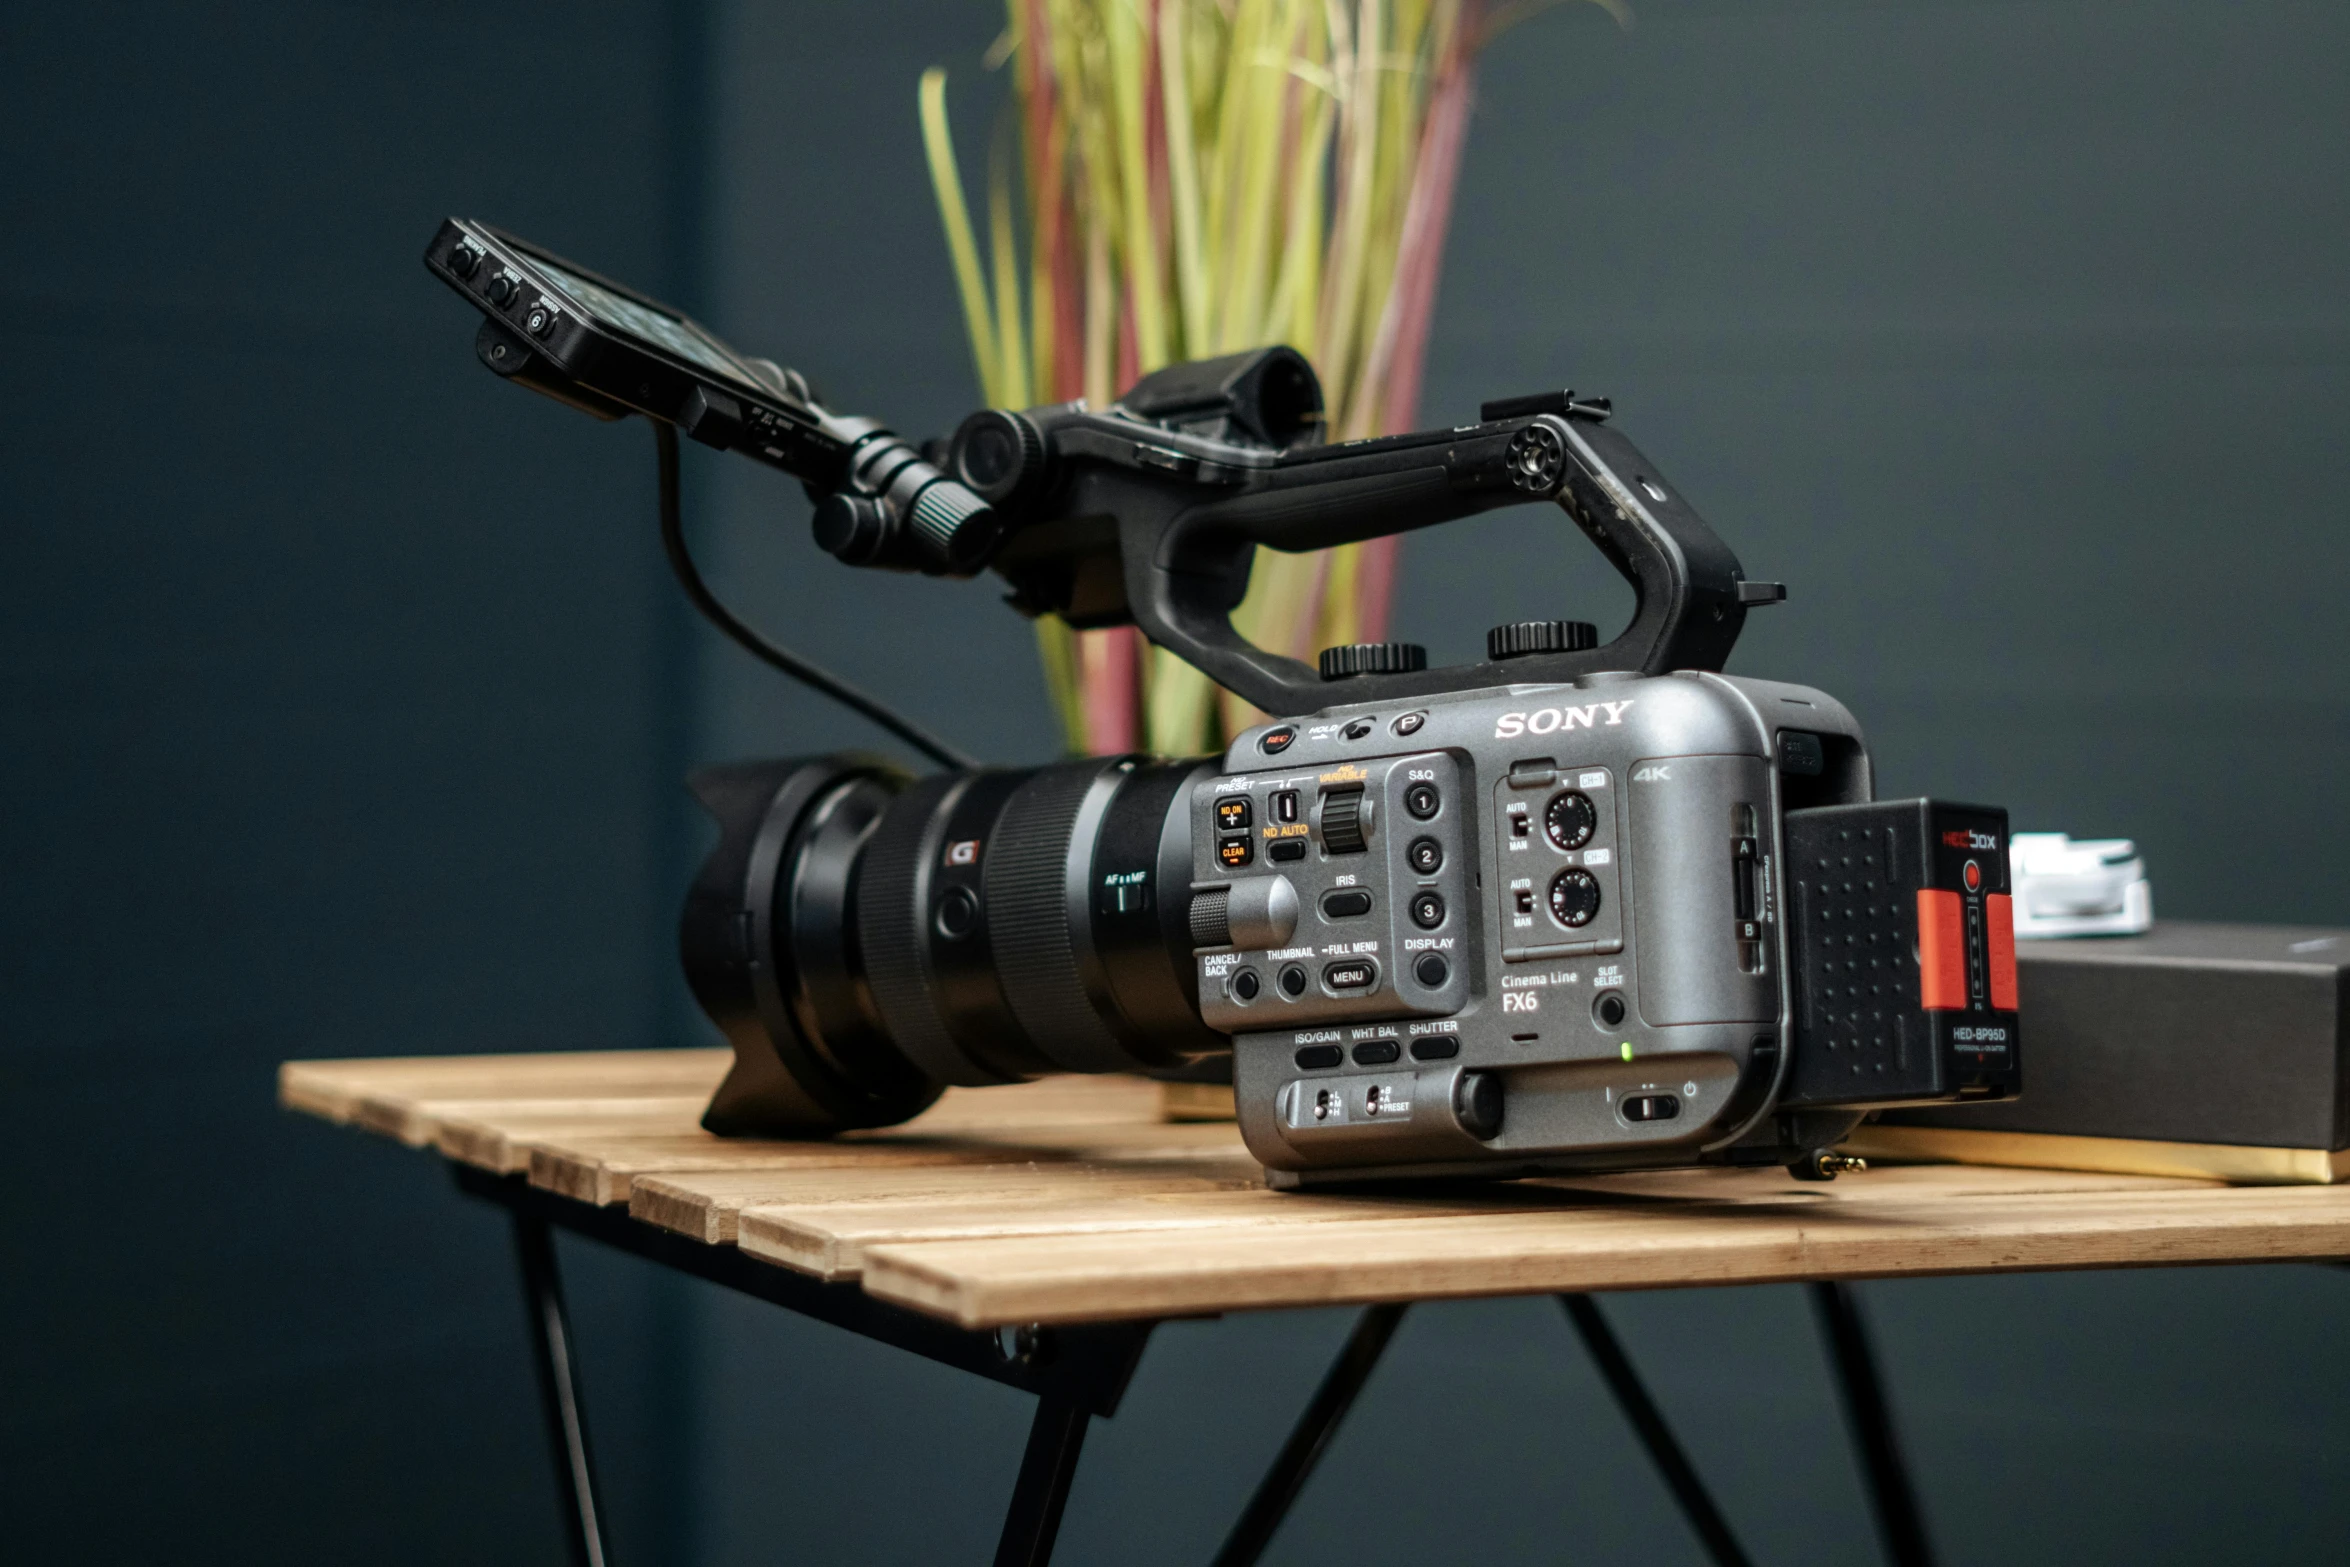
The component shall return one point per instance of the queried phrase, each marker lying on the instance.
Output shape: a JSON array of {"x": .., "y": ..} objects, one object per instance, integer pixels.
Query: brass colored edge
[
  {"x": 2239, "y": 1164},
  {"x": 1197, "y": 1102}
]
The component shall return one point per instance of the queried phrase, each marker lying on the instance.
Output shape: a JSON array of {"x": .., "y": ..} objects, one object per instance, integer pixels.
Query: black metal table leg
[
  {"x": 1899, "y": 1522},
  {"x": 1282, "y": 1483},
  {"x": 1041, "y": 1495},
  {"x": 550, "y": 1334},
  {"x": 1697, "y": 1504}
]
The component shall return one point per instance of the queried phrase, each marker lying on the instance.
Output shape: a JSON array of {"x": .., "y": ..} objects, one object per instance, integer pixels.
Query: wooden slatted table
[{"x": 1034, "y": 1234}]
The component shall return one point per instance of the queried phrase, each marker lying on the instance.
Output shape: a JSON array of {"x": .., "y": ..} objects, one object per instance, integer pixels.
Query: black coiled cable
[{"x": 782, "y": 659}]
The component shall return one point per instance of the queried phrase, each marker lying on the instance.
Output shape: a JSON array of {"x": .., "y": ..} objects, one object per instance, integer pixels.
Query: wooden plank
[
  {"x": 499, "y": 1137},
  {"x": 830, "y": 1240},
  {"x": 398, "y": 1096},
  {"x": 827, "y": 1235},
  {"x": 707, "y": 1206},
  {"x": 1600, "y": 1246},
  {"x": 334, "y": 1090},
  {"x": 426, "y": 1123},
  {"x": 1936, "y": 1182},
  {"x": 1075, "y": 1100},
  {"x": 602, "y": 1168}
]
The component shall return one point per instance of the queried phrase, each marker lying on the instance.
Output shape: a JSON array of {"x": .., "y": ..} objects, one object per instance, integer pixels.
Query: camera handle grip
[{"x": 1186, "y": 565}]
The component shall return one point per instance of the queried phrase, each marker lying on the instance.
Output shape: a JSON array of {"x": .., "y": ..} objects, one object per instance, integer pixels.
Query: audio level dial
[{"x": 1571, "y": 819}]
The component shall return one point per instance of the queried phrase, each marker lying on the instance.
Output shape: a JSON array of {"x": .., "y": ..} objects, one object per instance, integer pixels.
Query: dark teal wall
[{"x": 338, "y": 696}]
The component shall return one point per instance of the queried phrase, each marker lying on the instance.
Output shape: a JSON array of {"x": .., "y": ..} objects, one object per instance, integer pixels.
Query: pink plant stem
[
  {"x": 1110, "y": 675},
  {"x": 1375, "y": 586},
  {"x": 1129, "y": 351},
  {"x": 1154, "y": 142},
  {"x": 1427, "y": 214}
]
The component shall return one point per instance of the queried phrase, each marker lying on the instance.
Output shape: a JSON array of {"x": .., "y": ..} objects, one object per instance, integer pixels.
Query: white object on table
[{"x": 2094, "y": 887}]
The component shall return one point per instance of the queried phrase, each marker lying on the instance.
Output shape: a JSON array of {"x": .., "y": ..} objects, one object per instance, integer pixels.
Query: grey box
[{"x": 2229, "y": 1034}]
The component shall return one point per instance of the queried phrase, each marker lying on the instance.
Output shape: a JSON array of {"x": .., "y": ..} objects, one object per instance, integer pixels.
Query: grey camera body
[{"x": 1538, "y": 927}]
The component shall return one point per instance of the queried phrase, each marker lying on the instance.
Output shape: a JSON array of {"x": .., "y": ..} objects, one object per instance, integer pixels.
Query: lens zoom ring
[
  {"x": 1026, "y": 877},
  {"x": 890, "y": 932}
]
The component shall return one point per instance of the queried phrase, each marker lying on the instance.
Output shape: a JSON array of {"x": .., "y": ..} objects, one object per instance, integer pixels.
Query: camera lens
[{"x": 865, "y": 939}]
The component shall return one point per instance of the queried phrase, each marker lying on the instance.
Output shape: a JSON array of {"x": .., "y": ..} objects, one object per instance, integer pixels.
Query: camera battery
[{"x": 1902, "y": 948}]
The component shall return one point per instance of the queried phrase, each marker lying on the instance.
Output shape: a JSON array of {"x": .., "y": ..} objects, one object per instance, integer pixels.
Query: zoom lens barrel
[{"x": 864, "y": 939}]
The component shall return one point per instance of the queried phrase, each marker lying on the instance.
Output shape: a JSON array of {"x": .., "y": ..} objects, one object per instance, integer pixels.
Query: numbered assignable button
[{"x": 1233, "y": 815}]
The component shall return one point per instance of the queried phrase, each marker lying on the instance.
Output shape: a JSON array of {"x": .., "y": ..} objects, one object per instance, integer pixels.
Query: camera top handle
[{"x": 1151, "y": 512}]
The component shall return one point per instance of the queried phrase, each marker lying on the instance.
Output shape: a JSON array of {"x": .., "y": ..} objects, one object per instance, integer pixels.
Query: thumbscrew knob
[
  {"x": 1520, "y": 638},
  {"x": 1373, "y": 658}
]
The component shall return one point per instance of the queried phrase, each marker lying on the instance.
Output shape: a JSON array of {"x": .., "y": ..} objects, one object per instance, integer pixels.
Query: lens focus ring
[
  {"x": 1027, "y": 877},
  {"x": 892, "y": 930}
]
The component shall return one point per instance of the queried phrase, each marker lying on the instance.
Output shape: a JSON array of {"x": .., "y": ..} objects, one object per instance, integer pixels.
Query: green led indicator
[{"x": 1627, "y": 1050}]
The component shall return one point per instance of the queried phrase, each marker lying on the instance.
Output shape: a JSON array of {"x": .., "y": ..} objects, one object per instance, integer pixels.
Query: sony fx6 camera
[{"x": 1582, "y": 906}]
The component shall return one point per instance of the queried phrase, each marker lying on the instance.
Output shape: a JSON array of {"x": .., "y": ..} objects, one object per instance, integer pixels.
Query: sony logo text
[{"x": 1544, "y": 720}]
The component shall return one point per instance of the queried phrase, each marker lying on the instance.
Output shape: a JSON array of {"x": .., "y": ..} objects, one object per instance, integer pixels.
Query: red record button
[{"x": 1973, "y": 876}]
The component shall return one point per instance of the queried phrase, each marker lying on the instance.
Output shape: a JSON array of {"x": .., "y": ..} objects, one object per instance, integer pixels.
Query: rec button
[{"x": 1275, "y": 741}]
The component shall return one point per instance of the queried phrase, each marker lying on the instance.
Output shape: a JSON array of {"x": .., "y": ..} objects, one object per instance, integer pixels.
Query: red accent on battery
[
  {"x": 1999, "y": 914},
  {"x": 1941, "y": 951}
]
